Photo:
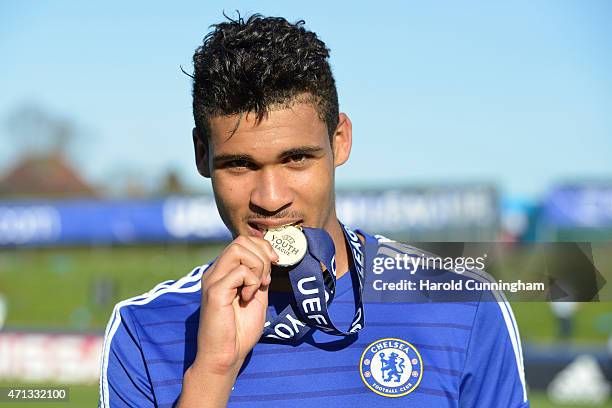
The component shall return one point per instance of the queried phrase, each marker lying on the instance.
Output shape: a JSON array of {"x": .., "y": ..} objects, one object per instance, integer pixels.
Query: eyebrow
[
  {"x": 300, "y": 150},
  {"x": 224, "y": 158}
]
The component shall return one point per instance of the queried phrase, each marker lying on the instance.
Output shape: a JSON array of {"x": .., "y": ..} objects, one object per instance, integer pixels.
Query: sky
[{"x": 518, "y": 94}]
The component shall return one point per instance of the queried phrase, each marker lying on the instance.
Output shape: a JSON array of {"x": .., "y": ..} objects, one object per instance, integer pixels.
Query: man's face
[{"x": 279, "y": 171}]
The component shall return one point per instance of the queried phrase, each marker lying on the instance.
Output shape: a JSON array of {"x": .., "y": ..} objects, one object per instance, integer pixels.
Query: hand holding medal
[
  {"x": 235, "y": 297},
  {"x": 234, "y": 303}
]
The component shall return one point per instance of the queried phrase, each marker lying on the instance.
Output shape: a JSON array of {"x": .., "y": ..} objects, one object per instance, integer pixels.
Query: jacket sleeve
[
  {"x": 124, "y": 381},
  {"x": 493, "y": 375}
]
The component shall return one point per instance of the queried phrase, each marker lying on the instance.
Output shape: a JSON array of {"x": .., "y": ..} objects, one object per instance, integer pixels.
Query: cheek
[
  {"x": 230, "y": 193},
  {"x": 316, "y": 188}
]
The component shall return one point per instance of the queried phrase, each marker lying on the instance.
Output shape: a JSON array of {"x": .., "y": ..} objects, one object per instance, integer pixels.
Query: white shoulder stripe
[
  {"x": 508, "y": 316},
  {"x": 179, "y": 286}
]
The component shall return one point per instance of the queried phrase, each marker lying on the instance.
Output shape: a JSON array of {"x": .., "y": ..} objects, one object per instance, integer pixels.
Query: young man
[{"x": 244, "y": 331}]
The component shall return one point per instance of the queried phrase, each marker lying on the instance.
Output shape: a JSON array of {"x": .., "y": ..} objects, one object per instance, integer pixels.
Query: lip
[
  {"x": 254, "y": 231},
  {"x": 259, "y": 227}
]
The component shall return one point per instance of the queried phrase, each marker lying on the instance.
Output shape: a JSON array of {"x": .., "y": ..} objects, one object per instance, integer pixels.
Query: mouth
[{"x": 259, "y": 227}]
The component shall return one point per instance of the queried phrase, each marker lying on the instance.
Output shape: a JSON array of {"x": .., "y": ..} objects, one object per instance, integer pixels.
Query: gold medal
[{"x": 289, "y": 242}]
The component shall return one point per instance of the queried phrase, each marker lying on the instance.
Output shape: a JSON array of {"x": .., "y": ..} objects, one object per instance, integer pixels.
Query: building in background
[{"x": 47, "y": 175}]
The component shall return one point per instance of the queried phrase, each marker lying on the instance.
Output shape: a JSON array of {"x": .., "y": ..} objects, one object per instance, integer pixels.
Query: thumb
[{"x": 261, "y": 296}]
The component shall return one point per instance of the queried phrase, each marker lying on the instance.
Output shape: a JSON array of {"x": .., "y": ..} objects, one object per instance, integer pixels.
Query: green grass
[
  {"x": 537, "y": 322},
  {"x": 56, "y": 287},
  {"x": 540, "y": 400}
]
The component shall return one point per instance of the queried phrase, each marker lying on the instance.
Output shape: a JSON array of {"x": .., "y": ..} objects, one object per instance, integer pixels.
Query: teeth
[
  {"x": 257, "y": 227},
  {"x": 265, "y": 229}
]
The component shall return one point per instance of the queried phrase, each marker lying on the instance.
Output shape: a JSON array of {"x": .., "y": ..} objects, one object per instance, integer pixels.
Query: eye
[
  {"x": 297, "y": 159},
  {"x": 238, "y": 165}
]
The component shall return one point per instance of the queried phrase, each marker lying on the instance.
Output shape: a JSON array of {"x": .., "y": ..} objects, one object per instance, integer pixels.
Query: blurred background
[{"x": 472, "y": 121}]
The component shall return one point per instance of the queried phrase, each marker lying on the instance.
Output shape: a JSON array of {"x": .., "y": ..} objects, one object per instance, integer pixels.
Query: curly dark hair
[{"x": 258, "y": 65}]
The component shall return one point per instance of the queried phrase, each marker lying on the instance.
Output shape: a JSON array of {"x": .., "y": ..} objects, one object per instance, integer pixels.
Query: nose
[{"x": 272, "y": 191}]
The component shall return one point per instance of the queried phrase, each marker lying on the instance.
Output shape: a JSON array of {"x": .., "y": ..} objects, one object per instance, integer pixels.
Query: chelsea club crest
[{"x": 391, "y": 367}]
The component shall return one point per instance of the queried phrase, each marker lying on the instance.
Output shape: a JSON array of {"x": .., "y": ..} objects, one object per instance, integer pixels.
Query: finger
[
  {"x": 267, "y": 247},
  {"x": 241, "y": 279},
  {"x": 249, "y": 288},
  {"x": 252, "y": 245},
  {"x": 260, "y": 296},
  {"x": 262, "y": 249},
  {"x": 235, "y": 255}
]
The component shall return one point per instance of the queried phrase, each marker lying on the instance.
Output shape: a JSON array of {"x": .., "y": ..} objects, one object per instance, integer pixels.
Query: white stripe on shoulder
[
  {"x": 508, "y": 316},
  {"x": 178, "y": 286}
]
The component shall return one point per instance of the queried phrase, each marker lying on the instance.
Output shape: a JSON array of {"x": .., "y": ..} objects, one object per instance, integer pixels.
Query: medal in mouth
[{"x": 289, "y": 242}]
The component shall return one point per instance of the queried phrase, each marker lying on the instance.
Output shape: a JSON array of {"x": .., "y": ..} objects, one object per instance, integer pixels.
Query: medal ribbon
[{"x": 313, "y": 293}]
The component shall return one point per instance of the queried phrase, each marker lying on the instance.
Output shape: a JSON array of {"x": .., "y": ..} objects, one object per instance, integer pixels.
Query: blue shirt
[{"x": 470, "y": 353}]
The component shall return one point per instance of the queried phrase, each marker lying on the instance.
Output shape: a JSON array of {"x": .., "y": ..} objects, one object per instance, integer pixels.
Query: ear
[
  {"x": 343, "y": 140},
  {"x": 201, "y": 154}
]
